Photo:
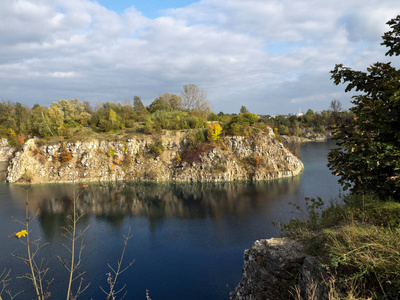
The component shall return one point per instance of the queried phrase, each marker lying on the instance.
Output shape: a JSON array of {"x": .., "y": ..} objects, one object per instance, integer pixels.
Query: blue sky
[
  {"x": 150, "y": 8},
  {"x": 273, "y": 56}
]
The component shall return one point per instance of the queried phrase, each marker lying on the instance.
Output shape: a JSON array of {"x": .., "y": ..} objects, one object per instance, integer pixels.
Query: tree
[
  {"x": 159, "y": 104},
  {"x": 214, "y": 132},
  {"x": 194, "y": 98},
  {"x": 137, "y": 103},
  {"x": 22, "y": 118},
  {"x": 73, "y": 110},
  {"x": 368, "y": 157},
  {"x": 174, "y": 100},
  {"x": 41, "y": 123},
  {"x": 244, "y": 110},
  {"x": 336, "y": 106}
]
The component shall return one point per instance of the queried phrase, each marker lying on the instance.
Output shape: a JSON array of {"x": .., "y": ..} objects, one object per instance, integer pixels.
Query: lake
[{"x": 188, "y": 239}]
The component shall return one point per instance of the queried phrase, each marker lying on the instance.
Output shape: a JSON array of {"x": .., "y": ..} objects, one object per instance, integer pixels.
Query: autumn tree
[
  {"x": 368, "y": 156},
  {"x": 214, "y": 132},
  {"x": 194, "y": 98}
]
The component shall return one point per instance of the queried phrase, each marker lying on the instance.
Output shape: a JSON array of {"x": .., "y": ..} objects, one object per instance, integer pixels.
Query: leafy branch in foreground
[
  {"x": 71, "y": 233},
  {"x": 367, "y": 156},
  {"x": 112, "y": 282}
]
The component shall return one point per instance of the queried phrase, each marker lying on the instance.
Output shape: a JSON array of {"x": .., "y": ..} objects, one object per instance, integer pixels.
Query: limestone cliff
[
  {"x": 100, "y": 160},
  {"x": 5, "y": 150},
  {"x": 277, "y": 269}
]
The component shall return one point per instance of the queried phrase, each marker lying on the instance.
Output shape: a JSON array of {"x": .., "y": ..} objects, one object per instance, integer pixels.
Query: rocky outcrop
[
  {"x": 308, "y": 135},
  {"x": 99, "y": 160},
  {"x": 273, "y": 269},
  {"x": 5, "y": 150}
]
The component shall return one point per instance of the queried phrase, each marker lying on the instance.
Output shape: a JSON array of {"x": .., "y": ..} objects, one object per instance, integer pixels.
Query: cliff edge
[
  {"x": 259, "y": 157},
  {"x": 278, "y": 268}
]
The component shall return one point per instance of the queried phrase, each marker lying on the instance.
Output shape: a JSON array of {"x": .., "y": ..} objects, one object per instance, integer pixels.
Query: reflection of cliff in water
[
  {"x": 115, "y": 201},
  {"x": 3, "y": 170}
]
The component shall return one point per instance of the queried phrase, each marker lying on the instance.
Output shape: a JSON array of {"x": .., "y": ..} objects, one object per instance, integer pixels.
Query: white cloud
[{"x": 267, "y": 55}]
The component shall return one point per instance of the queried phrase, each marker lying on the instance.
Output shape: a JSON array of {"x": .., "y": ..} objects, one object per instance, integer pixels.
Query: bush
[
  {"x": 239, "y": 125},
  {"x": 191, "y": 155},
  {"x": 176, "y": 119},
  {"x": 65, "y": 156},
  {"x": 156, "y": 148},
  {"x": 196, "y": 137}
]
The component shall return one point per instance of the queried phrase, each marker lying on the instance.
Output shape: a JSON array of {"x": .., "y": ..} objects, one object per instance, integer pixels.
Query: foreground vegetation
[{"x": 358, "y": 240}]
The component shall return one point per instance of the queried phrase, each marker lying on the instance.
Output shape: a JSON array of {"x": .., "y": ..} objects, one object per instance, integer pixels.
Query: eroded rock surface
[
  {"x": 5, "y": 150},
  {"x": 272, "y": 268}
]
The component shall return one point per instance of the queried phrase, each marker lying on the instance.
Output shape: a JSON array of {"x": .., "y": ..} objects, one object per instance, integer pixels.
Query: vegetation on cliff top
[{"x": 73, "y": 119}]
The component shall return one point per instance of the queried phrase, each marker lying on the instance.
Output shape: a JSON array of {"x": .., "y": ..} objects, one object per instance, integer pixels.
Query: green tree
[
  {"x": 368, "y": 157},
  {"x": 7, "y": 114},
  {"x": 137, "y": 103},
  {"x": 244, "y": 110},
  {"x": 22, "y": 118},
  {"x": 41, "y": 123},
  {"x": 73, "y": 110},
  {"x": 159, "y": 104}
]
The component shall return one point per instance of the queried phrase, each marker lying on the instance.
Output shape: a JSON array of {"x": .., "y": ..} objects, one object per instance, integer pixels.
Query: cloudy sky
[{"x": 273, "y": 56}]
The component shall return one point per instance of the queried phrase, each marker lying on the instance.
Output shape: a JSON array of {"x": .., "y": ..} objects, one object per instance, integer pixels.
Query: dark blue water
[{"x": 188, "y": 239}]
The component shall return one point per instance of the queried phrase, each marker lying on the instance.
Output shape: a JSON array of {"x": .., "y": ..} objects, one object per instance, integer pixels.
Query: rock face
[
  {"x": 308, "y": 135},
  {"x": 274, "y": 267},
  {"x": 99, "y": 160},
  {"x": 5, "y": 150}
]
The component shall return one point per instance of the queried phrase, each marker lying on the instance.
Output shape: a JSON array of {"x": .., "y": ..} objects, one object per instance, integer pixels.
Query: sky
[{"x": 272, "y": 56}]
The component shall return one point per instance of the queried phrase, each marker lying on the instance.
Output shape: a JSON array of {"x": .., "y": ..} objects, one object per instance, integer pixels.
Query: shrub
[
  {"x": 191, "y": 155},
  {"x": 65, "y": 156},
  {"x": 196, "y": 137},
  {"x": 156, "y": 148},
  {"x": 111, "y": 152},
  {"x": 283, "y": 130},
  {"x": 178, "y": 158}
]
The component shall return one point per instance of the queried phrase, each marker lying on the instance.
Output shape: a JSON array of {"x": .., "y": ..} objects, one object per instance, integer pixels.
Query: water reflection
[{"x": 113, "y": 202}]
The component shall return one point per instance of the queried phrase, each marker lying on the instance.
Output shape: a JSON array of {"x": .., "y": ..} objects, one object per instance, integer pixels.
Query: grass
[{"x": 357, "y": 241}]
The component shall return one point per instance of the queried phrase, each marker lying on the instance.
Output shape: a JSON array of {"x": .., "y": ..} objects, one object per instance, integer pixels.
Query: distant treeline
[{"x": 189, "y": 110}]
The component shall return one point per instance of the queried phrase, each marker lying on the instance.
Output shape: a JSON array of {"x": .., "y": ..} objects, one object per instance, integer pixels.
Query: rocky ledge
[
  {"x": 278, "y": 268},
  {"x": 237, "y": 158}
]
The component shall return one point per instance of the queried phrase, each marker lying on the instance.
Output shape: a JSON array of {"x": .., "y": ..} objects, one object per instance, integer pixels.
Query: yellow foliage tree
[{"x": 214, "y": 132}]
